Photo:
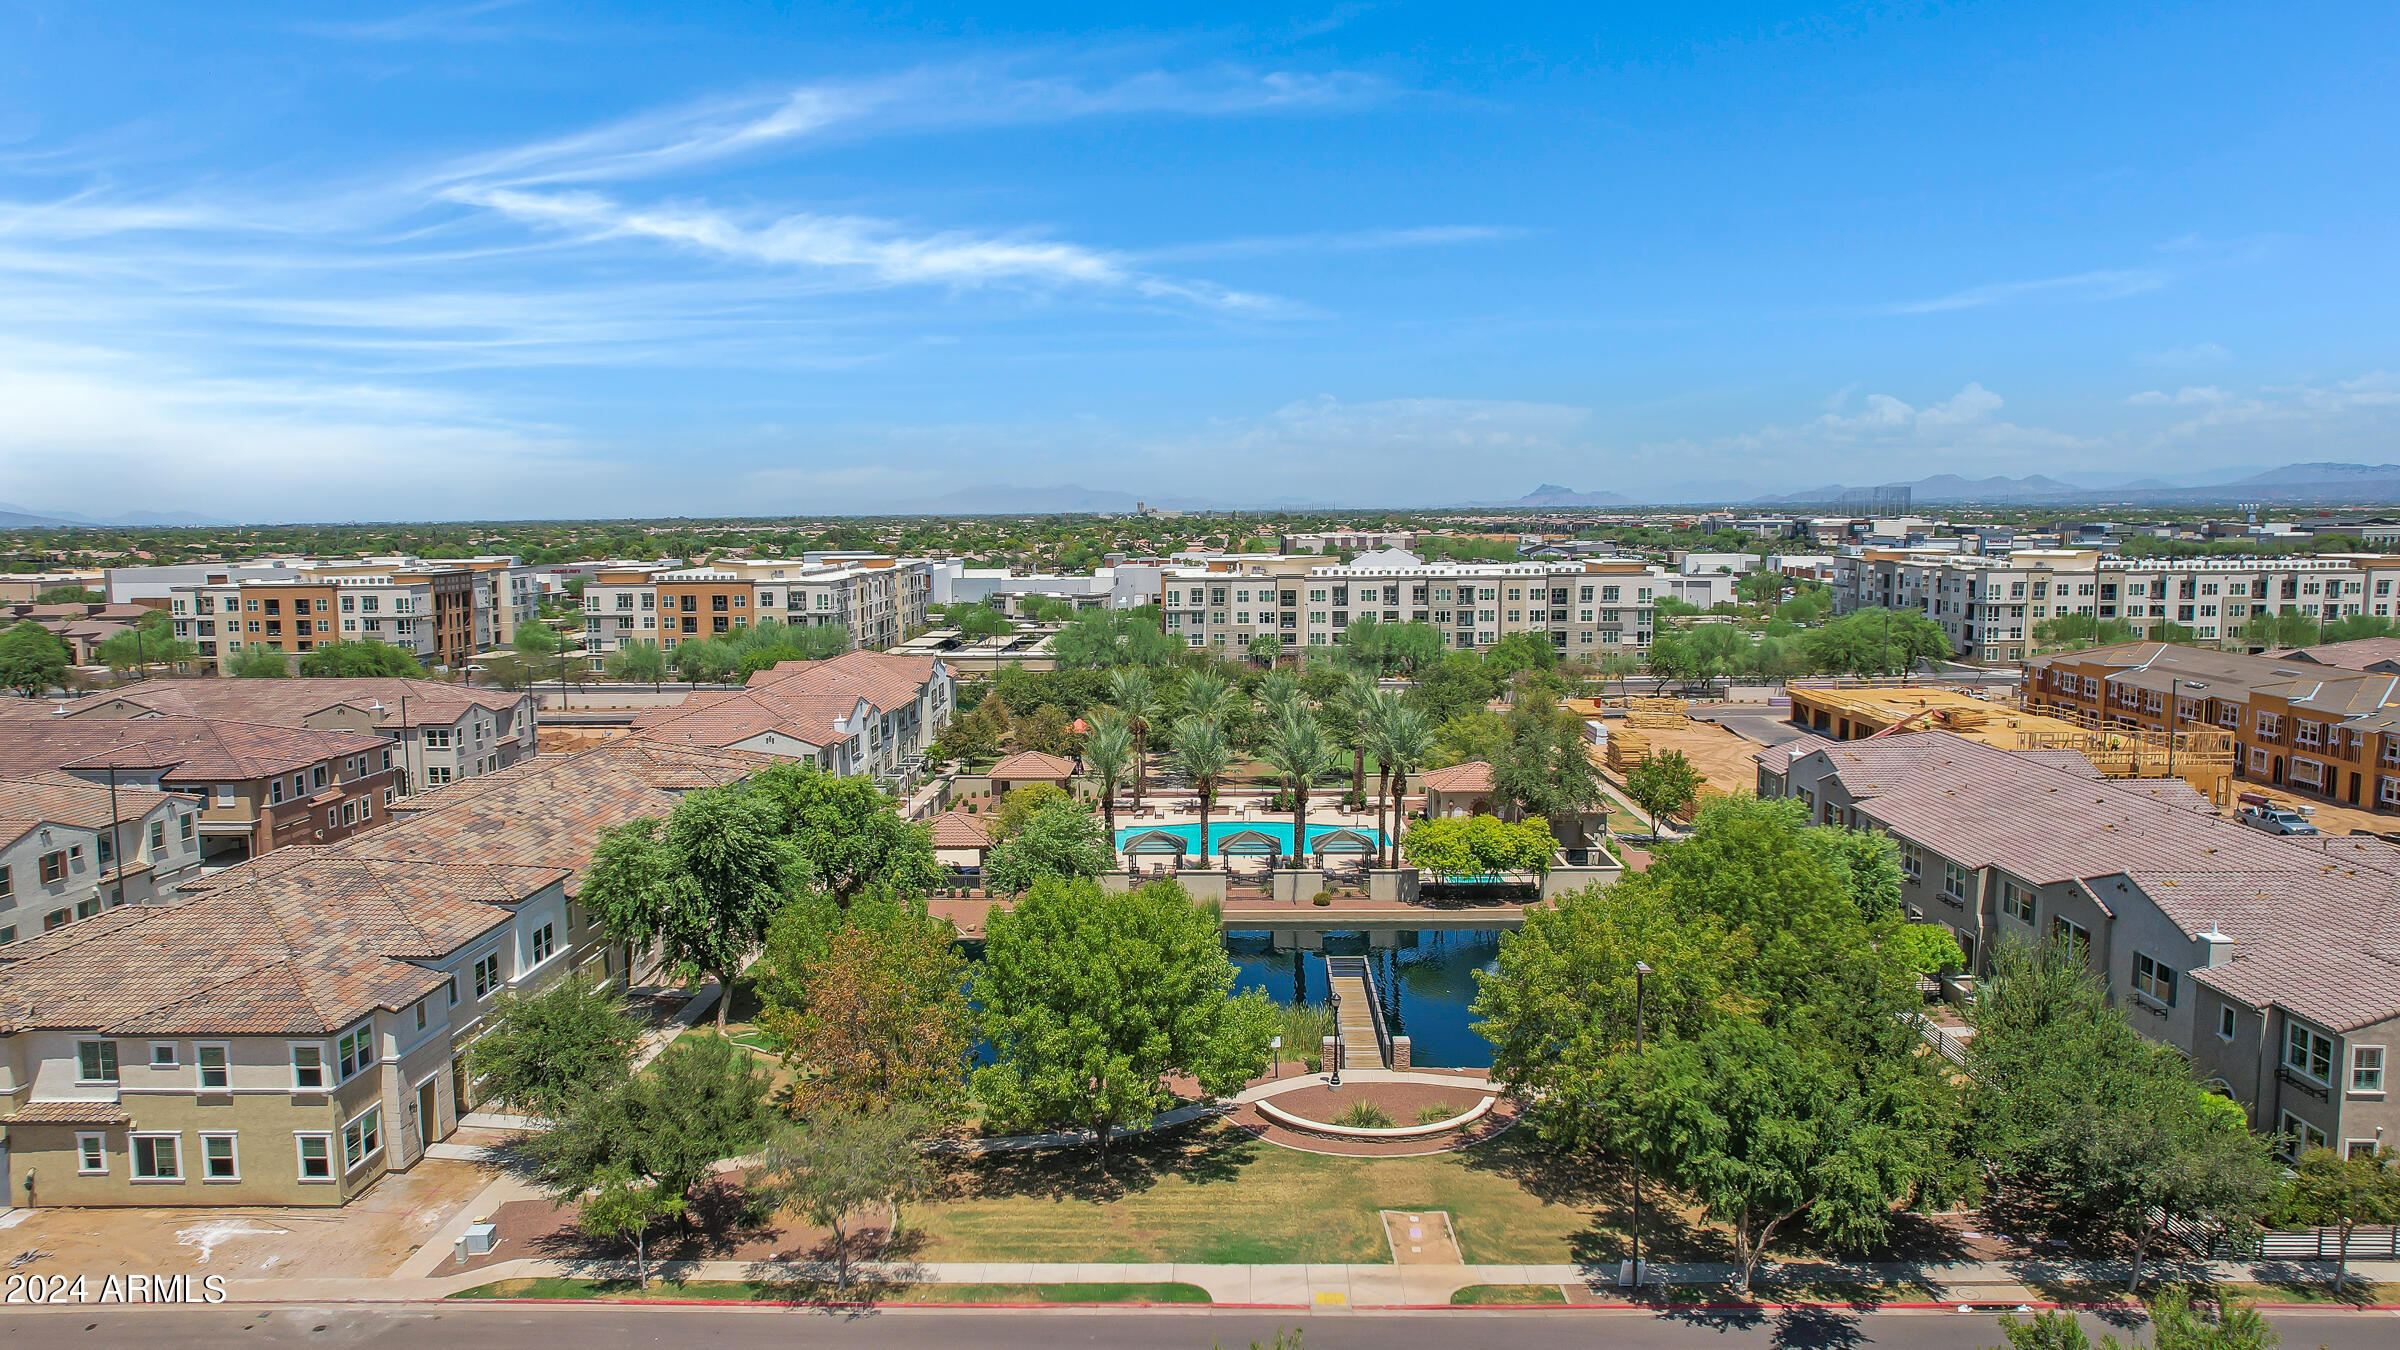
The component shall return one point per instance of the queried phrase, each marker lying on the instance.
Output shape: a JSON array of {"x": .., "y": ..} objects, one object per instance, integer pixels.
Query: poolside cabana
[
  {"x": 1154, "y": 845},
  {"x": 1247, "y": 843},
  {"x": 1343, "y": 844}
]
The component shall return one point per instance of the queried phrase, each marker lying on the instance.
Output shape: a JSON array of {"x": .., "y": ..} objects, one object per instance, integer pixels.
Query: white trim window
[
  {"x": 362, "y": 1138},
  {"x": 2299, "y": 1136},
  {"x": 2154, "y": 979},
  {"x": 2071, "y": 931},
  {"x": 95, "y": 1061},
  {"x": 2016, "y": 901},
  {"x": 539, "y": 944},
  {"x": 162, "y": 1055},
  {"x": 2227, "y": 1019},
  {"x": 1954, "y": 881},
  {"x": 313, "y": 1155},
  {"x": 2308, "y": 1052},
  {"x": 91, "y": 1154},
  {"x": 355, "y": 1051},
  {"x": 1911, "y": 861},
  {"x": 308, "y": 1067},
  {"x": 2366, "y": 1069},
  {"x": 215, "y": 1066},
  {"x": 220, "y": 1156},
  {"x": 158, "y": 1156}
]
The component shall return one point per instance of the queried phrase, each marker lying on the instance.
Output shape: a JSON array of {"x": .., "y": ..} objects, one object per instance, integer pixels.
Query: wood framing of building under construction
[{"x": 2201, "y": 756}]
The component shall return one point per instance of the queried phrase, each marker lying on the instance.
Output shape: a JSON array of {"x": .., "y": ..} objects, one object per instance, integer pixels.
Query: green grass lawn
[
  {"x": 754, "y": 1291},
  {"x": 1218, "y": 1196},
  {"x": 1507, "y": 1295}
]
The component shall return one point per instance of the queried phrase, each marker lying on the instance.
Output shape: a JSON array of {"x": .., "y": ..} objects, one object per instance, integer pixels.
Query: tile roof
[
  {"x": 2316, "y": 921},
  {"x": 68, "y": 1113},
  {"x": 1031, "y": 764},
  {"x": 2205, "y": 672},
  {"x": 287, "y": 702},
  {"x": 1473, "y": 776},
  {"x": 303, "y": 952},
  {"x": 889, "y": 680},
  {"x": 2356, "y": 654},
  {"x": 29, "y": 801},
  {"x": 189, "y": 749},
  {"x": 956, "y": 829},
  {"x": 729, "y": 717}
]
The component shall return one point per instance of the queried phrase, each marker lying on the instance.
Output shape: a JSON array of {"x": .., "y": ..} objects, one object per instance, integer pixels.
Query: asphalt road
[{"x": 581, "y": 1328}]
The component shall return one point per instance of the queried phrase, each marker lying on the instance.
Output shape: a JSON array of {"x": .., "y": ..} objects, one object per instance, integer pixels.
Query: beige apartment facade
[
  {"x": 1586, "y": 609},
  {"x": 877, "y": 599}
]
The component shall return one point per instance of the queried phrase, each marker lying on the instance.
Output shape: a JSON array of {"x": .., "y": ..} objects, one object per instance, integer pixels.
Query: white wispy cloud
[
  {"x": 2107, "y": 284},
  {"x": 1336, "y": 241},
  {"x": 436, "y": 23},
  {"x": 2191, "y": 354},
  {"x": 2190, "y": 395}
]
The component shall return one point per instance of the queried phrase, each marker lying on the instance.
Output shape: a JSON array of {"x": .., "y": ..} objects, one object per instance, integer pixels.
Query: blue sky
[{"x": 543, "y": 258}]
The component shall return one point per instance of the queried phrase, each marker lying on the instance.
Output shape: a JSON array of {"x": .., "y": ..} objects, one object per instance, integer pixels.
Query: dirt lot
[
  {"x": 369, "y": 1236},
  {"x": 1721, "y": 757}
]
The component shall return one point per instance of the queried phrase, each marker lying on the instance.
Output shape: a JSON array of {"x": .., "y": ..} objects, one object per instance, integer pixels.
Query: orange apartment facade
[{"x": 2311, "y": 730}]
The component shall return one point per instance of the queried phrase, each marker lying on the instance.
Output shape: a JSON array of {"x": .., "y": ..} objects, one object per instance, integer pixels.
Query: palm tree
[
  {"x": 1375, "y": 719},
  {"x": 1130, "y": 689},
  {"x": 1298, "y": 749},
  {"x": 1202, "y": 750},
  {"x": 1107, "y": 755},
  {"x": 1405, "y": 744},
  {"x": 1206, "y": 694},
  {"x": 1278, "y": 692},
  {"x": 1357, "y": 695}
]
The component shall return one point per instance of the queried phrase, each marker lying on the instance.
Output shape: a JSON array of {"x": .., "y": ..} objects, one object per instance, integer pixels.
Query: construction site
[
  {"x": 2202, "y": 757},
  {"x": 1634, "y": 729}
]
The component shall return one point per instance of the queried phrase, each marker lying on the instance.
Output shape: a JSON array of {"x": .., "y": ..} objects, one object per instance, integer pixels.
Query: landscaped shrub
[
  {"x": 1434, "y": 1113},
  {"x": 1365, "y": 1116},
  {"x": 1304, "y": 1030},
  {"x": 1322, "y": 899}
]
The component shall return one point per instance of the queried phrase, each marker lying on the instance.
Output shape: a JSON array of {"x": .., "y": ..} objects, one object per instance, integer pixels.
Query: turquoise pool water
[{"x": 1279, "y": 831}]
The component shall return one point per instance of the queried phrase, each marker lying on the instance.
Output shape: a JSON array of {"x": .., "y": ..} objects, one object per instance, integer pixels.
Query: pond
[
  {"x": 1220, "y": 828},
  {"x": 1425, "y": 977}
]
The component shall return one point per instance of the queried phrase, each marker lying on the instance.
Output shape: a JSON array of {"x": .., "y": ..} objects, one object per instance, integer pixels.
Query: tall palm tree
[
  {"x": 1130, "y": 689},
  {"x": 1375, "y": 719},
  {"x": 1206, "y": 694},
  {"x": 1296, "y": 748},
  {"x": 1405, "y": 744},
  {"x": 1203, "y": 751},
  {"x": 1107, "y": 756},
  {"x": 1278, "y": 692},
  {"x": 1356, "y": 696}
]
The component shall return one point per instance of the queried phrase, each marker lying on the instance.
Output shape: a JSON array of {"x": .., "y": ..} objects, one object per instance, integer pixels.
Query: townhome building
[
  {"x": 859, "y": 713},
  {"x": 302, "y": 1024},
  {"x": 61, "y": 842},
  {"x": 1583, "y": 607},
  {"x": 1988, "y": 605},
  {"x": 2313, "y": 730},
  {"x": 876, "y": 598},
  {"x": 2267, "y": 961},
  {"x": 441, "y": 733},
  {"x": 258, "y": 787}
]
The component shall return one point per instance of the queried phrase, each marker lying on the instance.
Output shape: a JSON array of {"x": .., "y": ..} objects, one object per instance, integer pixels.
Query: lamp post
[
  {"x": 1641, "y": 973},
  {"x": 1333, "y": 1000}
]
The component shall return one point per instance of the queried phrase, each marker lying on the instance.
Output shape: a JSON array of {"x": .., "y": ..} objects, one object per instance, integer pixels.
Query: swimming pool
[{"x": 1219, "y": 829}]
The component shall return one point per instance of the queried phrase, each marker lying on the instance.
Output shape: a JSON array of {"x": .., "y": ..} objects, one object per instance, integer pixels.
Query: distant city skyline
[{"x": 494, "y": 260}]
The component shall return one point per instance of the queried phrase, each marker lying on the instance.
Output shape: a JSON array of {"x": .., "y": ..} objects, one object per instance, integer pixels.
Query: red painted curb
[{"x": 1971, "y": 1305}]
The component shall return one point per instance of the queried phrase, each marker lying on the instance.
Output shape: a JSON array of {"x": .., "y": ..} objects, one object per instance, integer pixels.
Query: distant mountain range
[
  {"x": 19, "y": 517},
  {"x": 2349, "y": 484},
  {"x": 1551, "y": 494}
]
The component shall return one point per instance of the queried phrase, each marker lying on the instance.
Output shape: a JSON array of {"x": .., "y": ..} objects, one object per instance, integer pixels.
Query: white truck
[{"x": 2259, "y": 813}]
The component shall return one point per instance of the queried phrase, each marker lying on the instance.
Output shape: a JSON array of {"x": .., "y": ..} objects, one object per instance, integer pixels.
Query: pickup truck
[{"x": 2275, "y": 820}]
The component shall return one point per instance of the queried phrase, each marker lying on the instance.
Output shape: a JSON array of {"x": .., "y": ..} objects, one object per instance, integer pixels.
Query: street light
[
  {"x": 1641, "y": 990},
  {"x": 1334, "y": 1001}
]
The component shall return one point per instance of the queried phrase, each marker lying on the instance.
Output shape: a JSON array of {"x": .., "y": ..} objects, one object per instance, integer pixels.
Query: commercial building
[
  {"x": 876, "y": 598},
  {"x": 61, "y": 837},
  {"x": 441, "y": 732},
  {"x": 2265, "y": 960},
  {"x": 257, "y": 787},
  {"x": 1347, "y": 541},
  {"x": 1989, "y": 606},
  {"x": 302, "y": 1025},
  {"x": 2314, "y": 730},
  {"x": 1122, "y": 584},
  {"x": 1583, "y": 607}
]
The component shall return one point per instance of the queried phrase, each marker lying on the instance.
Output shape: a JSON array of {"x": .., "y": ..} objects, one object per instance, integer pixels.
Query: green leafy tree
[
  {"x": 1108, "y": 758},
  {"x": 1876, "y": 642},
  {"x": 149, "y": 642},
  {"x": 872, "y": 1014},
  {"x": 701, "y": 1101},
  {"x": 1101, "y": 639},
  {"x": 705, "y": 661},
  {"x": 1520, "y": 652},
  {"x": 1470, "y": 737},
  {"x": 836, "y": 1163},
  {"x": 848, "y": 831},
  {"x": 2283, "y": 628},
  {"x": 1547, "y": 770},
  {"x": 638, "y": 662},
  {"x": 2329, "y": 1190},
  {"x": 703, "y": 886},
  {"x": 1092, "y": 999},
  {"x": 625, "y": 1210},
  {"x": 1021, "y": 805},
  {"x": 548, "y": 1051},
  {"x": 71, "y": 595},
  {"x": 1766, "y": 1128},
  {"x": 1265, "y": 648},
  {"x": 1060, "y": 841},
  {"x": 259, "y": 662},
  {"x": 2174, "y": 1325},
  {"x": 32, "y": 658},
  {"x": 2069, "y": 631},
  {"x": 362, "y": 658},
  {"x": 1928, "y": 948},
  {"x": 1474, "y": 846},
  {"x": 1664, "y": 785},
  {"x": 1205, "y": 754}
]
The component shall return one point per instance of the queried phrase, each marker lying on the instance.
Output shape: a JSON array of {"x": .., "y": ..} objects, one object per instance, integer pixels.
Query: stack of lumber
[
  {"x": 1627, "y": 750},
  {"x": 1657, "y": 714},
  {"x": 1967, "y": 719}
]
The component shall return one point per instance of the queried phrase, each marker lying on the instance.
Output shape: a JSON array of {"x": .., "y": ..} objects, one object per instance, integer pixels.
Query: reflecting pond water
[{"x": 1425, "y": 977}]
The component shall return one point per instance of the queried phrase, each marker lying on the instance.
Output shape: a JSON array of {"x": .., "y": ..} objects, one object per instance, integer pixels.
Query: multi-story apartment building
[
  {"x": 440, "y": 733},
  {"x": 1348, "y": 541},
  {"x": 859, "y": 713},
  {"x": 302, "y": 1025},
  {"x": 2266, "y": 960},
  {"x": 876, "y": 598},
  {"x": 443, "y": 611},
  {"x": 2315, "y": 730},
  {"x": 258, "y": 788},
  {"x": 61, "y": 837},
  {"x": 1988, "y": 605},
  {"x": 1583, "y": 607}
]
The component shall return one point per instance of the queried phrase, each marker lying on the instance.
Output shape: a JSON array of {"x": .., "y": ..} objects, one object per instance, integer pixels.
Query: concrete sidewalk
[{"x": 1330, "y": 1287}]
